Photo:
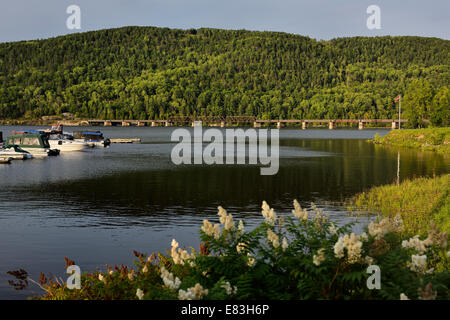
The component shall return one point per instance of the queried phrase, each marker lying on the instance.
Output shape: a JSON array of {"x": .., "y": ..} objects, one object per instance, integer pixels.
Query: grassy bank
[
  {"x": 418, "y": 201},
  {"x": 431, "y": 139}
]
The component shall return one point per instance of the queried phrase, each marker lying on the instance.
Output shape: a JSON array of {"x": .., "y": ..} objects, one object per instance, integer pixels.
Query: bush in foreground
[{"x": 300, "y": 257}]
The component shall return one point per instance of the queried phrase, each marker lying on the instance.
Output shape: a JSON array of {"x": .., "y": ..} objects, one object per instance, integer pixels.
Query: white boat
[
  {"x": 15, "y": 152},
  {"x": 92, "y": 138},
  {"x": 35, "y": 143},
  {"x": 66, "y": 143}
]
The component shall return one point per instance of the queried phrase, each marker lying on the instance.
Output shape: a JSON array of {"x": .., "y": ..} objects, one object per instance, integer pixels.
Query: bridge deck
[{"x": 250, "y": 120}]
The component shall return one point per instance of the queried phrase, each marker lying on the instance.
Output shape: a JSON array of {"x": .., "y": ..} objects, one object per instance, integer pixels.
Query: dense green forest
[{"x": 154, "y": 73}]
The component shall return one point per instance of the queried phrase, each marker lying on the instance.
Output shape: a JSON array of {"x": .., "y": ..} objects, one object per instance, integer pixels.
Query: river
[{"x": 97, "y": 206}]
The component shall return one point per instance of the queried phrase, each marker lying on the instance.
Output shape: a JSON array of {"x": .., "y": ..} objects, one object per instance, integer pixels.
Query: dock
[{"x": 131, "y": 140}]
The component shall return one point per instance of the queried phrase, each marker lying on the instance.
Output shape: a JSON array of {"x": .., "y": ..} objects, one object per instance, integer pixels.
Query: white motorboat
[
  {"x": 66, "y": 143},
  {"x": 15, "y": 152},
  {"x": 92, "y": 138},
  {"x": 35, "y": 143}
]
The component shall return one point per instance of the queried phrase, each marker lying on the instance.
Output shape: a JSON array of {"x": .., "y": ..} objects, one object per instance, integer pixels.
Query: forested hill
[{"x": 148, "y": 72}]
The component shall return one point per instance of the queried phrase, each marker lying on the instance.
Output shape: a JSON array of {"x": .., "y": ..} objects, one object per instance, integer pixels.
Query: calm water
[{"x": 95, "y": 207}]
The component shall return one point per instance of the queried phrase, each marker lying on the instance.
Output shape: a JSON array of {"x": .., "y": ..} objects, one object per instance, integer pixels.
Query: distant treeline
[{"x": 155, "y": 73}]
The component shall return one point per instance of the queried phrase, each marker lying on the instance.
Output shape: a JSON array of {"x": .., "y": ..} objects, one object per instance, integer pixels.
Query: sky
[{"x": 319, "y": 19}]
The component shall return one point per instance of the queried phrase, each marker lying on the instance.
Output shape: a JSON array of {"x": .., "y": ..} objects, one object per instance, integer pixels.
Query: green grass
[
  {"x": 430, "y": 139},
  {"x": 419, "y": 201}
]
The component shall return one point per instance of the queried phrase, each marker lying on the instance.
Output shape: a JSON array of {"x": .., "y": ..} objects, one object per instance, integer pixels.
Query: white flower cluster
[
  {"x": 320, "y": 218},
  {"x": 369, "y": 260},
  {"x": 416, "y": 244},
  {"x": 195, "y": 293},
  {"x": 225, "y": 219},
  {"x": 102, "y": 278},
  {"x": 140, "y": 294},
  {"x": 241, "y": 228},
  {"x": 273, "y": 238},
  {"x": 170, "y": 281},
  {"x": 210, "y": 229},
  {"x": 269, "y": 214},
  {"x": 403, "y": 296},
  {"x": 353, "y": 245},
  {"x": 332, "y": 229},
  {"x": 284, "y": 244},
  {"x": 228, "y": 289},
  {"x": 241, "y": 247},
  {"x": 179, "y": 256},
  {"x": 418, "y": 264},
  {"x": 386, "y": 225},
  {"x": 319, "y": 257},
  {"x": 299, "y": 212}
]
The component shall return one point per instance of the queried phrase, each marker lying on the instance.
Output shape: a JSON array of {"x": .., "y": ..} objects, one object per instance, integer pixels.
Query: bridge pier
[
  {"x": 304, "y": 125},
  {"x": 168, "y": 124},
  {"x": 279, "y": 125},
  {"x": 125, "y": 124},
  {"x": 154, "y": 124},
  {"x": 394, "y": 125},
  {"x": 223, "y": 124},
  {"x": 107, "y": 123},
  {"x": 140, "y": 124},
  {"x": 331, "y": 125},
  {"x": 360, "y": 125},
  {"x": 256, "y": 125}
]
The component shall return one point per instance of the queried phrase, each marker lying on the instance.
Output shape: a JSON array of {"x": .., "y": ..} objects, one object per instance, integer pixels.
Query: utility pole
[{"x": 399, "y": 110}]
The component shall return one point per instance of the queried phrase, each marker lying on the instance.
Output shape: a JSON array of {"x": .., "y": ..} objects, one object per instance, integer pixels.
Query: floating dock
[{"x": 131, "y": 140}]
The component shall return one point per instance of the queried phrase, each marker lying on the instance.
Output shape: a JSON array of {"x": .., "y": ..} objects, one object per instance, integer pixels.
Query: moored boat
[
  {"x": 66, "y": 143},
  {"x": 15, "y": 152},
  {"x": 92, "y": 138},
  {"x": 35, "y": 143}
]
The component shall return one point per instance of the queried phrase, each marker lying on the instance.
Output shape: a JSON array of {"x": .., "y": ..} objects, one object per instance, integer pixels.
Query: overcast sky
[{"x": 319, "y": 19}]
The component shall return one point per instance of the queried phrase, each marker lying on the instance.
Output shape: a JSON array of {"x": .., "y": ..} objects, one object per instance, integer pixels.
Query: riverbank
[
  {"x": 431, "y": 139},
  {"x": 418, "y": 201}
]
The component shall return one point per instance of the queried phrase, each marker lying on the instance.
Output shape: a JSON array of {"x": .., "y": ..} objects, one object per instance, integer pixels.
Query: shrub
[{"x": 303, "y": 256}]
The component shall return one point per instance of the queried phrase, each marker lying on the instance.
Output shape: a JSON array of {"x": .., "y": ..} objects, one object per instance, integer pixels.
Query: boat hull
[
  {"x": 68, "y": 145},
  {"x": 41, "y": 152},
  {"x": 15, "y": 155}
]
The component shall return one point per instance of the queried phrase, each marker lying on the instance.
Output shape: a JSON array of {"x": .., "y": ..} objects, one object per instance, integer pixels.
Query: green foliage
[
  {"x": 430, "y": 139},
  {"x": 153, "y": 73},
  {"x": 284, "y": 258}
]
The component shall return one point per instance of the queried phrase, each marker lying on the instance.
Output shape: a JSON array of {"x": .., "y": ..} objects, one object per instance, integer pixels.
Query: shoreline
[{"x": 430, "y": 139}]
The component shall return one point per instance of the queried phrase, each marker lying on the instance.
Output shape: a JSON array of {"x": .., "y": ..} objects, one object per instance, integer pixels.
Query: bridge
[{"x": 240, "y": 120}]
